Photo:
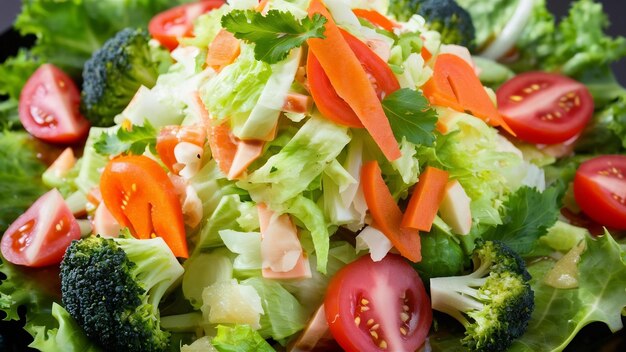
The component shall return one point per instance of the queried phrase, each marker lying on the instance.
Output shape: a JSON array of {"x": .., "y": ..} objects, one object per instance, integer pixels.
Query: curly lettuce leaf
[
  {"x": 20, "y": 175},
  {"x": 66, "y": 336},
  {"x": 600, "y": 297}
]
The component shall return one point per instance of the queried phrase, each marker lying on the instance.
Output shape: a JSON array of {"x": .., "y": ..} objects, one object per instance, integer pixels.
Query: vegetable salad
[{"x": 295, "y": 175}]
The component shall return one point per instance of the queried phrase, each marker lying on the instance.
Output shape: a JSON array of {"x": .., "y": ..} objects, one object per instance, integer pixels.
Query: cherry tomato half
[
  {"x": 40, "y": 236},
  {"x": 600, "y": 190},
  {"x": 326, "y": 98},
  {"x": 170, "y": 25},
  {"x": 545, "y": 108},
  {"x": 140, "y": 196},
  {"x": 49, "y": 107},
  {"x": 378, "y": 306}
]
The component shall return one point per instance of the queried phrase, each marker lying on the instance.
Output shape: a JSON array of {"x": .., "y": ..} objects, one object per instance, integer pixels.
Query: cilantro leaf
[
  {"x": 274, "y": 34},
  {"x": 529, "y": 214},
  {"x": 132, "y": 141},
  {"x": 410, "y": 116}
]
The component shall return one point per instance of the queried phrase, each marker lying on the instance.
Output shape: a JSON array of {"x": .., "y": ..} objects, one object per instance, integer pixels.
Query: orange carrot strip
[
  {"x": 223, "y": 50},
  {"x": 454, "y": 84},
  {"x": 223, "y": 147},
  {"x": 352, "y": 84},
  {"x": 386, "y": 213},
  {"x": 424, "y": 203},
  {"x": 376, "y": 18},
  {"x": 426, "y": 55}
]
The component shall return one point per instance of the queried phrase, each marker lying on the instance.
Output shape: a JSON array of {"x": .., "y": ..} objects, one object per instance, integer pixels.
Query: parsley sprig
[
  {"x": 410, "y": 116},
  {"x": 132, "y": 140},
  {"x": 274, "y": 34}
]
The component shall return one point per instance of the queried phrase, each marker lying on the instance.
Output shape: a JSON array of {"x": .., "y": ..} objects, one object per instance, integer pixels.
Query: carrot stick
[
  {"x": 376, "y": 18},
  {"x": 386, "y": 214},
  {"x": 454, "y": 84},
  {"x": 223, "y": 50},
  {"x": 427, "y": 196},
  {"x": 351, "y": 83},
  {"x": 223, "y": 147}
]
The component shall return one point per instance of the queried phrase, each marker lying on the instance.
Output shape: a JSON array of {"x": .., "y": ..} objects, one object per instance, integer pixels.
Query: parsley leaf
[
  {"x": 132, "y": 141},
  {"x": 274, "y": 34},
  {"x": 529, "y": 214},
  {"x": 410, "y": 116}
]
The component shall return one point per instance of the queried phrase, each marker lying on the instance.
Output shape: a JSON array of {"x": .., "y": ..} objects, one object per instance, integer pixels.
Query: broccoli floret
[
  {"x": 115, "y": 72},
  {"x": 445, "y": 16},
  {"x": 494, "y": 302},
  {"x": 112, "y": 288}
]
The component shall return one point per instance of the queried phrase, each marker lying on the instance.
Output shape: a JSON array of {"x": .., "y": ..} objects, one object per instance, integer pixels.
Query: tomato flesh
[
  {"x": 140, "y": 196},
  {"x": 329, "y": 103},
  {"x": 40, "y": 236},
  {"x": 600, "y": 190},
  {"x": 545, "y": 108},
  {"x": 49, "y": 107},
  {"x": 170, "y": 25},
  {"x": 378, "y": 306}
]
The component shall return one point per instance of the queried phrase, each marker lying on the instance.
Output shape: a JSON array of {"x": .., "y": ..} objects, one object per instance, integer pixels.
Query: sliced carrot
[
  {"x": 261, "y": 6},
  {"x": 376, "y": 18},
  {"x": 424, "y": 203},
  {"x": 223, "y": 145},
  {"x": 351, "y": 83},
  {"x": 247, "y": 152},
  {"x": 298, "y": 103},
  {"x": 454, "y": 84},
  {"x": 426, "y": 55},
  {"x": 386, "y": 213},
  {"x": 223, "y": 50}
]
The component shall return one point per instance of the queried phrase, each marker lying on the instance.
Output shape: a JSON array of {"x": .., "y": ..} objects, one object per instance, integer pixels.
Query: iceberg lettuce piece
[
  {"x": 236, "y": 89},
  {"x": 67, "y": 337},
  {"x": 230, "y": 214},
  {"x": 290, "y": 172},
  {"x": 203, "y": 270},
  {"x": 283, "y": 315},
  {"x": 264, "y": 116},
  {"x": 231, "y": 302},
  {"x": 205, "y": 28},
  {"x": 248, "y": 247},
  {"x": 92, "y": 163},
  {"x": 471, "y": 153},
  {"x": 238, "y": 338}
]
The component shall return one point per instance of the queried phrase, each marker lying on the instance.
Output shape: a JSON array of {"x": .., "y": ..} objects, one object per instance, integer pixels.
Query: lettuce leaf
[
  {"x": 239, "y": 338},
  {"x": 67, "y": 336},
  {"x": 20, "y": 175},
  {"x": 600, "y": 297}
]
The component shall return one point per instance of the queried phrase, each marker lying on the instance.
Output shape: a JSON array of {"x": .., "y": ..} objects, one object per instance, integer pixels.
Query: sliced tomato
[
  {"x": 140, "y": 196},
  {"x": 49, "y": 107},
  {"x": 40, "y": 236},
  {"x": 545, "y": 108},
  {"x": 170, "y": 136},
  {"x": 600, "y": 190},
  {"x": 170, "y": 25},
  {"x": 378, "y": 306},
  {"x": 326, "y": 98}
]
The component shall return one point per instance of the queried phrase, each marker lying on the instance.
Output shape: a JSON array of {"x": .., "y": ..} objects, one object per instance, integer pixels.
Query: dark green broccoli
[
  {"x": 494, "y": 302},
  {"x": 445, "y": 16},
  {"x": 112, "y": 287},
  {"x": 114, "y": 73}
]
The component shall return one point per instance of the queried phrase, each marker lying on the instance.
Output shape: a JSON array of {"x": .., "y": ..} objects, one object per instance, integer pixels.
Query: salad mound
[{"x": 307, "y": 175}]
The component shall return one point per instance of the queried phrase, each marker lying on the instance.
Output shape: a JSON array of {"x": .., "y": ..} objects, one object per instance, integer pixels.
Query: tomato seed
[
  {"x": 383, "y": 345},
  {"x": 403, "y": 331},
  {"x": 357, "y": 321},
  {"x": 375, "y": 327},
  {"x": 404, "y": 317}
]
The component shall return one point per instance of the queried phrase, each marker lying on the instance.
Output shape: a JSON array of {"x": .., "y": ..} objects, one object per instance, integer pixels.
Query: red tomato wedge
[
  {"x": 351, "y": 82},
  {"x": 40, "y": 236},
  {"x": 600, "y": 190},
  {"x": 378, "y": 306},
  {"x": 387, "y": 214},
  {"x": 454, "y": 84},
  {"x": 545, "y": 108},
  {"x": 170, "y": 136},
  {"x": 140, "y": 196},
  {"x": 329, "y": 103},
  {"x": 170, "y": 25},
  {"x": 49, "y": 107},
  {"x": 376, "y": 18}
]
